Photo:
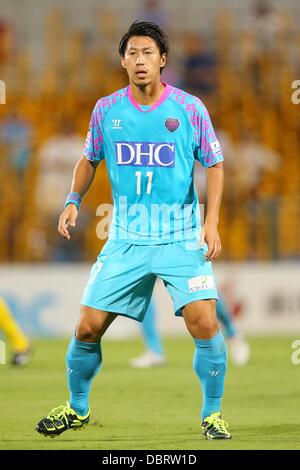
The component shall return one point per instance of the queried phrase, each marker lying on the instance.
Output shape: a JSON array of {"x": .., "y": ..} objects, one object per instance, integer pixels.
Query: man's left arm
[{"x": 214, "y": 188}]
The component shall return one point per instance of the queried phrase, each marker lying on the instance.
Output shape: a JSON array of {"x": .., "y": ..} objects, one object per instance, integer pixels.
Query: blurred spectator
[
  {"x": 58, "y": 157},
  {"x": 199, "y": 67},
  {"x": 6, "y": 41},
  {"x": 16, "y": 138},
  {"x": 252, "y": 159},
  {"x": 263, "y": 43},
  {"x": 245, "y": 163},
  {"x": 266, "y": 24},
  {"x": 153, "y": 11}
]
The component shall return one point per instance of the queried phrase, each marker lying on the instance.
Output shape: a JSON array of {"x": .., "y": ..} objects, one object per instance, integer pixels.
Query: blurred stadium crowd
[{"x": 242, "y": 68}]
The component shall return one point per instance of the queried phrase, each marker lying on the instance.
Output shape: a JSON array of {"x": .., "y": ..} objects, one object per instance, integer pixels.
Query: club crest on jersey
[
  {"x": 145, "y": 154},
  {"x": 172, "y": 124}
]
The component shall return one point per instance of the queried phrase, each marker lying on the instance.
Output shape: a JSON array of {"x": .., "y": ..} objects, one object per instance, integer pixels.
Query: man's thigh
[
  {"x": 121, "y": 281},
  {"x": 187, "y": 275}
]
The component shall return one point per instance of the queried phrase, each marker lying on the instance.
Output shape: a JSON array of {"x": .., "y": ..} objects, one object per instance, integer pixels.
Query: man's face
[{"x": 142, "y": 60}]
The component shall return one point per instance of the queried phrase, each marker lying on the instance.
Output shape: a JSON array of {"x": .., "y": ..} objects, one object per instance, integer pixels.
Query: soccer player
[
  {"x": 154, "y": 354},
  {"x": 149, "y": 134},
  {"x": 16, "y": 338}
]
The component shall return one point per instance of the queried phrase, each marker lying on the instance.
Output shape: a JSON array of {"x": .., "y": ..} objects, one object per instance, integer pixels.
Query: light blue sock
[
  {"x": 224, "y": 315},
  {"x": 83, "y": 362},
  {"x": 150, "y": 331},
  {"x": 210, "y": 363}
]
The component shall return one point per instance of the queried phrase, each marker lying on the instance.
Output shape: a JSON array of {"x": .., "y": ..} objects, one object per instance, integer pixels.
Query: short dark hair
[{"x": 145, "y": 28}]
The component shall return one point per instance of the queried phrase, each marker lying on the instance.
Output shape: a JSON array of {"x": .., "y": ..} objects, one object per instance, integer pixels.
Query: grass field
[{"x": 158, "y": 408}]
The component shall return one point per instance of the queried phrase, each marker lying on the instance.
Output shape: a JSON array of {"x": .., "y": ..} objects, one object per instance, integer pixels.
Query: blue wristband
[{"x": 73, "y": 198}]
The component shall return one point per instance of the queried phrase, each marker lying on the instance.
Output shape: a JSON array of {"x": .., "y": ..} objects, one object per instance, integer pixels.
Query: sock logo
[
  {"x": 214, "y": 373},
  {"x": 70, "y": 371}
]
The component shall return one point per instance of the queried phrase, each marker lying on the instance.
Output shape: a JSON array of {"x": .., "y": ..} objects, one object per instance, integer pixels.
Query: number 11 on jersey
[{"x": 138, "y": 175}]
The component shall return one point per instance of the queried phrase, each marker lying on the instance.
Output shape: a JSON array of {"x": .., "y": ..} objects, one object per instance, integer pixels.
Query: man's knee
[
  {"x": 201, "y": 319},
  {"x": 86, "y": 332},
  {"x": 206, "y": 326}
]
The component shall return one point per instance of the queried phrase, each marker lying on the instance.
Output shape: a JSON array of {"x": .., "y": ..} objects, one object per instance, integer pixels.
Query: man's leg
[
  {"x": 238, "y": 346},
  {"x": 154, "y": 356},
  {"x": 84, "y": 357},
  {"x": 15, "y": 336},
  {"x": 210, "y": 358},
  {"x": 150, "y": 331},
  {"x": 225, "y": 316}
]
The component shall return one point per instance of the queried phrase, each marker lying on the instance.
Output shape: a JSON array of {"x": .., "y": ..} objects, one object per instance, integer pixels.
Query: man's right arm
[{"x": 83, "y": 176}]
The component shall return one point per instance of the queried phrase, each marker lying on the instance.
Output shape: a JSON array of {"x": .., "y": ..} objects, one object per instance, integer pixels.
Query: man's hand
[
  {"x": 210, "y": 235},
  {"x": 68, "y": 218}
]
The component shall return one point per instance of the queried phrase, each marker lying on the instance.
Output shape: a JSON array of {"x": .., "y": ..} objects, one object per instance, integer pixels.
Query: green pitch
[{"x": 157, "y": 408}]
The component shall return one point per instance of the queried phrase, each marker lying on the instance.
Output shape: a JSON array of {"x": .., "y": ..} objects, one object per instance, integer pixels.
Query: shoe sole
[
  {"x": 218, "y": 438},
  {"x": 52, "y": 436}
]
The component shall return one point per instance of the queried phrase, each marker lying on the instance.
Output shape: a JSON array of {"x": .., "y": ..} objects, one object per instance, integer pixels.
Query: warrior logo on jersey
[
  {"x": 172, "y": 124},
  {"x": 145, "y": 154}
]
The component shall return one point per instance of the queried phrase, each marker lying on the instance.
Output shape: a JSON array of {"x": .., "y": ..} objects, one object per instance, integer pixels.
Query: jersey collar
[{"x": 163, "y": 97}]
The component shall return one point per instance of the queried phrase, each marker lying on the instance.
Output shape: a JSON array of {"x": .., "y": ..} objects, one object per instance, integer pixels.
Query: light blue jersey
[{"x": 150, "y": 155}]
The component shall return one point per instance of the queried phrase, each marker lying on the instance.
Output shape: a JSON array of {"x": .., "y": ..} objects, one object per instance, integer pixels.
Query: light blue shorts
[{"x": 123, "y": 278}]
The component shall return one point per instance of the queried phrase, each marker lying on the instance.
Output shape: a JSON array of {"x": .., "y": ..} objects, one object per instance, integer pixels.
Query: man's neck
[{"x": 147, "y": 94}]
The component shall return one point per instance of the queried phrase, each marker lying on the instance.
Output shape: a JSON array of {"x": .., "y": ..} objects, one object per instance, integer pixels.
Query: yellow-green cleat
[
  {"x": 61, "y": 419},
  {"x": 214, "y": 427}
]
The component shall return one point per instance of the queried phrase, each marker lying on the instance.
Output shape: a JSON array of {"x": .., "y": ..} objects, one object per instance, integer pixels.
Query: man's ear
[
  {"x": 123, "y": 62},
  {"x": 163, "y": 59}
]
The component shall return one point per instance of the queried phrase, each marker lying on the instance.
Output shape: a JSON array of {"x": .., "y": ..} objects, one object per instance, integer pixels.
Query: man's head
[{"x": 144, "y": 50}]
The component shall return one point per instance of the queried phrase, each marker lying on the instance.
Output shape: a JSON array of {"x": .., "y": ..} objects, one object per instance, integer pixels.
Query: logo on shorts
[
  {"x": 201, "y": 283},
  {"x": 172, "y": 124},
  {"x": 145, "y": 154}
]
